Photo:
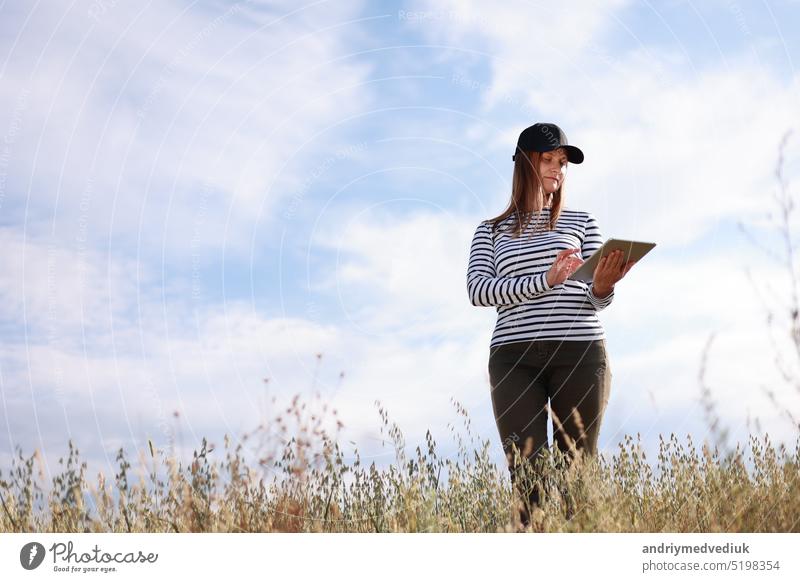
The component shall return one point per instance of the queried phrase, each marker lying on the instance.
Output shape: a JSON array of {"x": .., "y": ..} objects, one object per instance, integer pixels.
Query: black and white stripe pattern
[{"x": 509, "y": 273}]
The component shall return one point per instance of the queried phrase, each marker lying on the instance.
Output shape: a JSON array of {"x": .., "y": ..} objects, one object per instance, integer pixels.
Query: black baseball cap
[{"x": 543, "y": 137}]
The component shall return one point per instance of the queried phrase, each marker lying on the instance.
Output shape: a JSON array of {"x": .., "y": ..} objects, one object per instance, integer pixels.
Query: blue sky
[{"x": 198, "y": 196}]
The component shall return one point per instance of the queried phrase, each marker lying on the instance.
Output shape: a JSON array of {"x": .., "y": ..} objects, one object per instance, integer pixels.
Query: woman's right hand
[{"x": 563, "y": 267}]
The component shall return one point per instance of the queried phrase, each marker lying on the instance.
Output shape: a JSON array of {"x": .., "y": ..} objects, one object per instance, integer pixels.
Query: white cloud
[
  {"x": 403, "y": 277},
  {"x": 53, "y": 289},
  {"x": 162, "y": 117}
]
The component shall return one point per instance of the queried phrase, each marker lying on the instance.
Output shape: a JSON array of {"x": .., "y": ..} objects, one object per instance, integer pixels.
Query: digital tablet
[{"x": 634, "y": 250}]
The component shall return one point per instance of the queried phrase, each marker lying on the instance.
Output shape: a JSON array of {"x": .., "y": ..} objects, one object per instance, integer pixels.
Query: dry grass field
[{"x": 304, "y": 484}]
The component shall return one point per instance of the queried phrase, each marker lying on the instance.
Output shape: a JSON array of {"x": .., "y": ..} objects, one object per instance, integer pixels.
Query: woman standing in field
[{"x": 548, "y": 343}]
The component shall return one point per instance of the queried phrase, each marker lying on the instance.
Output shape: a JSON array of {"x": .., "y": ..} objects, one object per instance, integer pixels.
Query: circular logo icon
[{"x": 31, "y": 555}]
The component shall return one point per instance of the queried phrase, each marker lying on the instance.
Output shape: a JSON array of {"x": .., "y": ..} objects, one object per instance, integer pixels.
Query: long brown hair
[{"x": 527, "y": 195}]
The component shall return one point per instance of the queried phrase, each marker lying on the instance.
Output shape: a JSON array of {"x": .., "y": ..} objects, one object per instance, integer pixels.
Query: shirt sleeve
[
  {"x": 485, "y": 288},
  {"x": 593, "y": 240}
]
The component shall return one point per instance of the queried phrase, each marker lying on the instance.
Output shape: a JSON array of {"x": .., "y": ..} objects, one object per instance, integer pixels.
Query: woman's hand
[
  {"x": 609, "y": 270},
  {"x": 563, "y": 267}
]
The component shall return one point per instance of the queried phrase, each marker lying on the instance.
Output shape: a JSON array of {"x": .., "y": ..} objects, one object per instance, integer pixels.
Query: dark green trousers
[{"x": 574, "y": 376}]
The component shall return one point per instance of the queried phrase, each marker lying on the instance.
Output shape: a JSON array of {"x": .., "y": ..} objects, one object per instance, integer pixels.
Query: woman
[{"x": 548, "y": 343}]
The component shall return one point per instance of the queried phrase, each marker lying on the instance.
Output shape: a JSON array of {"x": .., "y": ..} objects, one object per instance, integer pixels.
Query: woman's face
[{"x": 552, "y": 169}]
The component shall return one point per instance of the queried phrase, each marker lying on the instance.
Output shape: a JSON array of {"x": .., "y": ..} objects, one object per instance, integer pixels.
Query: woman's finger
[
  {"x": 564, "y": 257},
  {"x": 628, "y": 267}
]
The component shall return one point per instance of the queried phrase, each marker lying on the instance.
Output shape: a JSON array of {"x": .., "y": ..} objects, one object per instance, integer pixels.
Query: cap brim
[{"x": 574, "y": 155}]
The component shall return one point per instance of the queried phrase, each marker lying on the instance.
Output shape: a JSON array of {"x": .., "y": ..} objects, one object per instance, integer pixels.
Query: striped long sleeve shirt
[{"x": 510, "y": 274}]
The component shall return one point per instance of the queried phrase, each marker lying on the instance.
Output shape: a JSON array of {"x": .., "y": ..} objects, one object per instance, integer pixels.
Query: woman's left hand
[{"x": 609, "y": 270}]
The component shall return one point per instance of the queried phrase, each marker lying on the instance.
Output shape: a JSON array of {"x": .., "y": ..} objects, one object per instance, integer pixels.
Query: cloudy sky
[{"x": 196, "y": 197}]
